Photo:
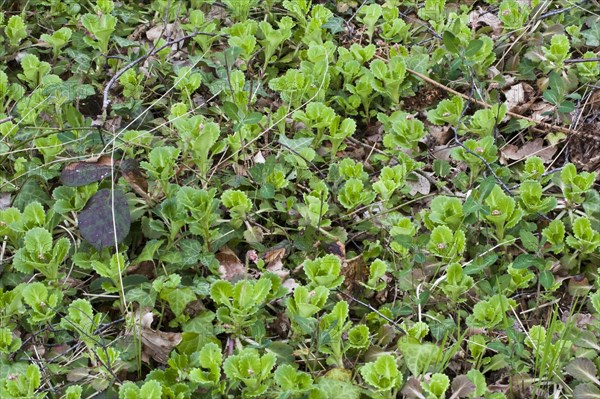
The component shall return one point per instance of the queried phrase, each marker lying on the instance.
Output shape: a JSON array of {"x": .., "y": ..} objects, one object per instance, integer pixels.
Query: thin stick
[
  {"x": 509, "y": 113},
  {"x": 575, "y": 60},
  {"x": 7, "y": 119}
]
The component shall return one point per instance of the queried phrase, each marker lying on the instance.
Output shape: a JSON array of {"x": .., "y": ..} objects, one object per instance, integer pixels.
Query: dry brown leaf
[
  {"x": 145, "y": 268},
  {"x": 542, "y": 111},
  {"x": 276, "y": 267},
  {"x": 130, "y": 169},
  {"x": 485, "y": 17},
  {"x": 78, "y": 374},
  {"x": 442, "y": 152},
  {"x": 5, "y": 200},
  {"x": 113, "y": 124},
  {"x": 290, "y": 284},
  {"x": 441, "y": 134},
  {"x": 274, "y": 259},
  {"x": 418, "y": 184},
  {"x": 259, "y": 158},
  {"x": 159, "y": 31},
  {"x": 337, "y": 248},
  {"x": 156, "y": 344},
  {"x": 355, "y": 272},
  {"x": 274, "y": 254},
  {"x": 518, "y": 98},
  {"x": 532, "y": 148},
  {"x": 231, "y": 267}
]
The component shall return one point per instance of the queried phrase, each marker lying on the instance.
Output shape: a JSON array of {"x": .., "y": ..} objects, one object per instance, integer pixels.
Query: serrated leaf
[
  {"x": 583, "y": 369},
  {"x": 586, "y": 391},
  {"x": 96, "y": 222}
]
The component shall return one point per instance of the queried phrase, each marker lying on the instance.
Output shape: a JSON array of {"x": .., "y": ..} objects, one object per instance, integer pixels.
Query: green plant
[
  {"x": 57, "y": 40},
  {"x": 238, "y": 204},
  {"x": 324, "y": 271},
  {"x": 574, "y": 185},
  {"x": 383, "y": 375},
  {"x": 389, "y": 78},
  {"x": 22, "y": 385},
  {"x": 531, "y": 198},
  {"x": 41, "y": 254},
  {"x": 504, "y": 212},
  {"x": 251, "y": 370},
  {"x": 513, "y": 14},
  {"x": 490, "y": 313},
  {"x": 100, "y": 25},
  {"x": 259, "y": 181},
  {"x": 241, "y": 303}
]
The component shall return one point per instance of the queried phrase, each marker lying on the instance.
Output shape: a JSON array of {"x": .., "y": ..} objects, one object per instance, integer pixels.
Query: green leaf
[
  {"x": 419, "y": 357},
  {"x": 382, "y": 374},
  {"x": 437, "y": 385},
  {"x": 451, "y": 42},
  {"x": 221, "y": 291},
  {"x": 529, "y": 241},
  {"x": 473, "y": 47},
  {"x": 324, "y": 271},
  {"x": 151, "y": 390},
  {"x": 358, "y": 337}
]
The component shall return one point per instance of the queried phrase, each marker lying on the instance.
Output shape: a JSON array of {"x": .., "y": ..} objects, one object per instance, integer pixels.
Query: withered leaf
[
  {"x": 532, "y": 148},
  {"x": 130, "y": 170},
  {"x": 156, "y": 344},
  {"x": 231, "y": 267}
]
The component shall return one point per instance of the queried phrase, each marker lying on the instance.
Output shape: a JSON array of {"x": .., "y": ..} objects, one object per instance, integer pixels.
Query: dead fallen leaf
[
  {"x": 231, "y": 267},
  {"x": 441, "y": 134},
  {"x": 355, "y": 272},
  {"x": 159, "y": 31},
  {"x": 442, "y": 152},
  {"x": 484, "y": 17},
  {"x": 518, "y": 98},
  {"x": 259, "y": 158},
  {"x": 276, "y": 267},
  {"x": 542, "y": 111},
  {"x": 145, "y": 268},
  {"x": 130, "y": 169},
  {"x": 274, "y": 260},
  {"x": 418, "y": 184},
  {"x": 274, "y": 254},
  {"x": 113, "y": 124},
  {"x": 78, "y": 374},
  {"x": 5, "y": 200},
  {"x": 532, "y": 148},
  {"x": 156, "y": 344},
  {"x": 337, "y": 248}
]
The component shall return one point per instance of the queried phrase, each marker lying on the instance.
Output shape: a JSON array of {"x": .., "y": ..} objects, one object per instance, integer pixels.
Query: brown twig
[
  {"x": 7, "y": 119},
  {"x": 509, "y": 113},
  {"x": 576, "y": 60}
]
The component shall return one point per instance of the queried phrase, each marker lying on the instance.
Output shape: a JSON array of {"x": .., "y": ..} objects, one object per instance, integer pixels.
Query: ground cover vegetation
[{"x": 296, "y": 199}]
